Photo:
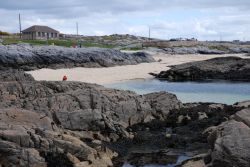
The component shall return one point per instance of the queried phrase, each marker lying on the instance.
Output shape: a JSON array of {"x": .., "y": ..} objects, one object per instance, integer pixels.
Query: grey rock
[
  {"x": 243, "y": 116},
  {"x": 232, "y": 145},
  {"x": 230, "y": 141},
  {"x": 27, "y": 57},
  {"x": 163, "y": 103},
  {"x": 192, "y": 50},
  {"x": 53, "y": 119},
  {"x": 77, "y": 106},
  {"x": 243, "y": 104},
  {"x": 14, "y": 75},
  {"x": 222, "y": 68},
  {"x": 200, "y": 49},
  {"x": 13, "y": 155}
]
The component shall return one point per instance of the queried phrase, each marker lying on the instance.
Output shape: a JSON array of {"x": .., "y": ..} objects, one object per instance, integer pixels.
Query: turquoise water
[
  {"x": 218, "y": 92},
  {"x": 179, "y": 161}
]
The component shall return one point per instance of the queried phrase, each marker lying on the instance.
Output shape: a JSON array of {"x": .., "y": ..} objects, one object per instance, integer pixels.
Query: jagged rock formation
[
  {"x": 27, "y": 57},
  {"x": 14, "y": 75},
  {"x": 49, "y": 123},
  {"x": 231, "y": 140},
  {"x": 223, "y": 68},
  {"x": 86, "y": 125}
]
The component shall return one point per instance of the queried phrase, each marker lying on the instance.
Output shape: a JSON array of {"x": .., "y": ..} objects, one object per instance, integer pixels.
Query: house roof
[{"x": 37, "y": 28}]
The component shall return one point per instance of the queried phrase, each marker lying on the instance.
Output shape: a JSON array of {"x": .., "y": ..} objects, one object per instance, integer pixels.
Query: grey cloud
[{"x": 113, "y": 16}]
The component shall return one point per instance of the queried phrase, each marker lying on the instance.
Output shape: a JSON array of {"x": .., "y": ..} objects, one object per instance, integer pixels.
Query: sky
[{"x": 201, "y": 19}]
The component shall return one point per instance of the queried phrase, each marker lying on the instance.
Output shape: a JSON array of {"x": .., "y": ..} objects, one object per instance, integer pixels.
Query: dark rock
[
  {"x": 14, "y": 75},
  {"x": 77, "y": 106},
  {"x": 216, "y": 49},
  {"x": 231, "y": 140},
  {"x": 27, "y": 57},
  {"x": 163, "y": 103},
  {"x": 223, "y": 68},
  {"x": 192, "y": 50},
  {"x": 79, "y": 124}
]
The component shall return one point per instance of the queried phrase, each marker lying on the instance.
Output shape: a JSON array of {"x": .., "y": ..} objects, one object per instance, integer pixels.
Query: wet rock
[{"x": 223, "y": 68}]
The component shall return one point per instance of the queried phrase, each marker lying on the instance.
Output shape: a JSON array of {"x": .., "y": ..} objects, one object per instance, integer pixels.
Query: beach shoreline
[{"x": 111, "y": 75}]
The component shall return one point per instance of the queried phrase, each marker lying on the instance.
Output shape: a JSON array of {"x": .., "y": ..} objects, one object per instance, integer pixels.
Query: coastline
[{"x": 110, "y": 75}]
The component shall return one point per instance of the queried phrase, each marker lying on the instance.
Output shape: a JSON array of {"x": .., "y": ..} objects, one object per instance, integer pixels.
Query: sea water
[
  {"x": 217, "y": 92},
  {"x": 179, "y": 160}
]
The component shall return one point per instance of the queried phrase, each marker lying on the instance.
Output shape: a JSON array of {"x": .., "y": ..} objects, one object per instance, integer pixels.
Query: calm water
[
  {"x": 179, "y": 161},
  {"x": 219, "y": 92}
]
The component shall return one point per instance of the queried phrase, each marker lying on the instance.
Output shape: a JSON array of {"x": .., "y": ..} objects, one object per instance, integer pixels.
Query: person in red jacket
[{"x": 65, "y": 78}]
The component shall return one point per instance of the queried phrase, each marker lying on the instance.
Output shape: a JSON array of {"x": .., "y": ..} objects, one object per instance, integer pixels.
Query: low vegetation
[
  {"x": 132, "y": 49},
  {"x": 4, "y": 33},
  {"x": 218, "y": 47},
  {"x": 65, "y": 43}
]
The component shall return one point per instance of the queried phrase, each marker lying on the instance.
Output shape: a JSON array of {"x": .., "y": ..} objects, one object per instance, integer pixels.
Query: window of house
[
  {"x": 39, "y": 34},
  {"x": 43, "y": 34},
  {"x": 55, "y": 35},
  {"x": 52, "y": 35}
]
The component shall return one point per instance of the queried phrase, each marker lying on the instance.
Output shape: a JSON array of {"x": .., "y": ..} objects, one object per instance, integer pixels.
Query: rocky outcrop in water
[
  {"x": 27, "y": 57},
  {"x": 223, "y": 68}
]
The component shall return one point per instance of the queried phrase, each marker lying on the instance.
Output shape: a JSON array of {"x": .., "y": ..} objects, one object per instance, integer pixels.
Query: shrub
[{"x": 4, "y": 33}]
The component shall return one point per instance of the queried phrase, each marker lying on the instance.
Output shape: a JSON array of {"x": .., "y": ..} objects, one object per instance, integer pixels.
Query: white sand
[{"x": 119, "y": 73}]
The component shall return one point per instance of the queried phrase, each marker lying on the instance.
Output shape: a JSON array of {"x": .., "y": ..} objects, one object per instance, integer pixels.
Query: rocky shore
[
  {"x": 86, "y": 125},
  {"x": 222, "y": 68},
  {"x": 75, "y": 124},
  {"x": 27, "y": 57},
  {"x": 205, "y": 50}
]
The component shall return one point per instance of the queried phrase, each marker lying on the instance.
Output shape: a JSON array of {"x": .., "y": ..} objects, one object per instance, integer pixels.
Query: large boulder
[
  {"x": 222, "y": 68},
  {"x": 163, "y": 103},
  {"x": 231, "y": 141}
]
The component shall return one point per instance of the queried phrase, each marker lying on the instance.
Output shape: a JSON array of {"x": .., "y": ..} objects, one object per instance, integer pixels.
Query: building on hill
[{"x": 40, "y": 32}]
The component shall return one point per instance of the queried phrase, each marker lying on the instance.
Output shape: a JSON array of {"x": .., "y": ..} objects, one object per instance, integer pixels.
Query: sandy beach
[{"x": 117, "y": 74}]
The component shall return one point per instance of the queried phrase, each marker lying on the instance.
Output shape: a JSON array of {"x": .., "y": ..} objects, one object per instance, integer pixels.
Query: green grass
[
  {"x": 132, "y": 49},
  {"x": 89, "y": 44},
  {"x": 218, "y": 47},
  {"x": 65, "y": 43}
]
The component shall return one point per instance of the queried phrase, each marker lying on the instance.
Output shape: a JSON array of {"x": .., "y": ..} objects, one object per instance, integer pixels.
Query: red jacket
[{"x": 65, "y": 78}]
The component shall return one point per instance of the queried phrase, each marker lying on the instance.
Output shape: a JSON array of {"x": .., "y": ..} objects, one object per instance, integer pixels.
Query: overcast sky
[{"x": 202, "y": 19}]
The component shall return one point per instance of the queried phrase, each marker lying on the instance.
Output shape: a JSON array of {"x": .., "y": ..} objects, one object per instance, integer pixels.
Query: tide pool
[
  {"x": 179, "y": 160},
  {"x": 217, "y": 92}
]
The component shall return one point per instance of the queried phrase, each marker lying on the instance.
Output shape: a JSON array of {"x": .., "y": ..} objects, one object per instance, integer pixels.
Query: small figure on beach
[{"x": 65, "y": 78}]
